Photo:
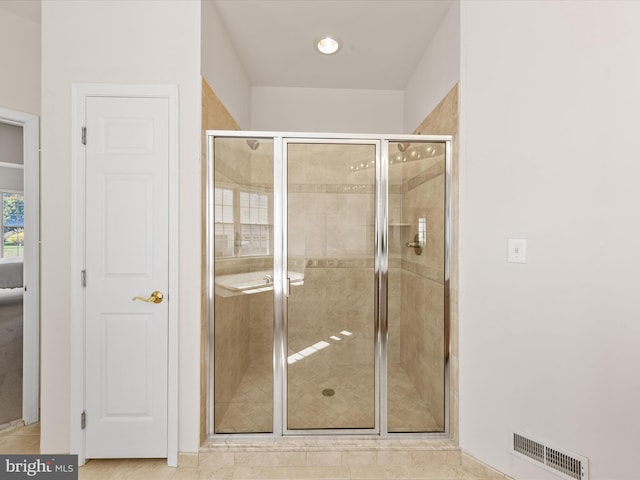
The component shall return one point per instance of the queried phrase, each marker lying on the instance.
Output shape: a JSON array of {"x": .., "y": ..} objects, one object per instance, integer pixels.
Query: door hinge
[
  {"x": 83, "y": 420},
  {"x": 83, "y": 278},
  {"x": 84, "y": 135}
]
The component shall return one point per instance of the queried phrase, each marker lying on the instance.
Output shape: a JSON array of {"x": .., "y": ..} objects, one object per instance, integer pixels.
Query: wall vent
[{"x": 563, "y": 463}]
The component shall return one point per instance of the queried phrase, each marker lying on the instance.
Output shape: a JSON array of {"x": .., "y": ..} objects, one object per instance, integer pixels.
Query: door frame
[
  {"x": 80, "y": 92},
  {"x": 31, "y": 314}
]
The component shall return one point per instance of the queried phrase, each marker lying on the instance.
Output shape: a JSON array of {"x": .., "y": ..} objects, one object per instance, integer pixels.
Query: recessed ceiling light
[{"x": 328, "y": 45}]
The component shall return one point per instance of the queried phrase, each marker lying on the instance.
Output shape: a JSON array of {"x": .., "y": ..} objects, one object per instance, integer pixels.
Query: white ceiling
[{"x": 383, "y": 40}]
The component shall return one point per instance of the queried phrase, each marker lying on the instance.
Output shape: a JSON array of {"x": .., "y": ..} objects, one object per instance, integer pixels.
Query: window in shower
[
  {"x": 254, "y": 224},
  {"x": 224, "y": 226},
  {"x": 242, "y": 222}
]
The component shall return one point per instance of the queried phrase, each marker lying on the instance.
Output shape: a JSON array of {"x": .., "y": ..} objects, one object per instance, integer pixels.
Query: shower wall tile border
[
  {"x": 331, "y": 188},
  {"x": 242, "y": 264},
  {"x": 340, "y": 262},
  {"x": 340, "y": 188},
  {"x": 430, "y": 173},
  {"x": 435, "y": 275},
  {"x": 248, "y": 187},
  {"x": 249, "y": 264}
]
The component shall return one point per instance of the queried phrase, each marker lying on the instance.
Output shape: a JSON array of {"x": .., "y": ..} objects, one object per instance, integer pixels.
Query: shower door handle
[
  {"x": 287, "y": 287},
  {"x": 417, "y": 244}
]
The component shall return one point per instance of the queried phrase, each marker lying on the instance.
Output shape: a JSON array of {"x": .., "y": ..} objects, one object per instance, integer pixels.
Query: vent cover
[{"x": 563, "y": 463}]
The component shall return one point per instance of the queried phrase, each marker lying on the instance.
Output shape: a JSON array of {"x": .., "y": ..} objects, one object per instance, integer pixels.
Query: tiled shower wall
[
  {"x": 331, "y": 239},
  {"x": 422, "y": 284},
  {"x": 232, "y": 316}
]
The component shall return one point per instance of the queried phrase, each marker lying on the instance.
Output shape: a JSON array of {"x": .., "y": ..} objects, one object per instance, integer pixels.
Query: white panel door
[{"x": 127, "y": 155}]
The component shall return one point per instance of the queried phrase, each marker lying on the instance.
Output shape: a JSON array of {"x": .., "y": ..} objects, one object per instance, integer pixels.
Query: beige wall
[
  {"x": 11, "y": 179},
  {"x": 115, "y": 42},
  {"x": 20, "y": 60},
  {"x": 11, "y": 144}
]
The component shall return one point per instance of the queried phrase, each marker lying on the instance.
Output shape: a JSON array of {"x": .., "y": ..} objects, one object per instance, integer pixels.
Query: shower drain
[{"x": 328, "y": 392}]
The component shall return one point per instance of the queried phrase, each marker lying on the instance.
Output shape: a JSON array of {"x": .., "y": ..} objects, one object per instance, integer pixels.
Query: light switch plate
[{"x": 516, "y": 250}]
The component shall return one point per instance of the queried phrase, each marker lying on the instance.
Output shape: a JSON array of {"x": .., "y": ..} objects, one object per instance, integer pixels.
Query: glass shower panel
[
  {"x": 416, "y": 288},
  {"x": 242, "y": 206},
  {"x": 331, "y": 364}
]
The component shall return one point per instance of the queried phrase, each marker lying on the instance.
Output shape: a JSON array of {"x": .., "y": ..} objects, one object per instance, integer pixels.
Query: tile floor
[
  {"x": 453, "y": 467},
  {"x": 351, "y": 406}
]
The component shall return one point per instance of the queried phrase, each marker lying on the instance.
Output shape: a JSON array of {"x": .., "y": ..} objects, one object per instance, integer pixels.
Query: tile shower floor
[{"x": 351, "y": 405}]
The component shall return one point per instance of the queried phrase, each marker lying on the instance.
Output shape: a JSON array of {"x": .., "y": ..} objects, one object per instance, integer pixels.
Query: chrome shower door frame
[
  {"x": 379, "y": 206},
  {"x": 280, "y": 234}
]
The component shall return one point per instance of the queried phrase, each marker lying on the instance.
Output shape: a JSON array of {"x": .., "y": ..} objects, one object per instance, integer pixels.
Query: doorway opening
[{"x": 19, "y": 261}]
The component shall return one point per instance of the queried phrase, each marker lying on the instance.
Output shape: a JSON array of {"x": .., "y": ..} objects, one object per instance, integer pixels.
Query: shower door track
[{"x": 281, "y": 282}]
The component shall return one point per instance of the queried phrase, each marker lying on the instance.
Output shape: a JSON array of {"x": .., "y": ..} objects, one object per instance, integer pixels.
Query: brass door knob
[{"x": 156, "y": 297}]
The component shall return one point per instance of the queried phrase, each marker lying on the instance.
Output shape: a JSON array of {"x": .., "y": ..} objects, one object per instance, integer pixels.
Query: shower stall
[{"x": 327, "y": 280}]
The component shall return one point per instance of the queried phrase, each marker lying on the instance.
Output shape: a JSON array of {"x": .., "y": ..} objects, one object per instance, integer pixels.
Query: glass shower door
[
  {"x": 417, "y": 287},
  {"x": 331, "y": 319},
  {"x": 241, "y": 256},
  {"x": 328, "y": 284}
]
